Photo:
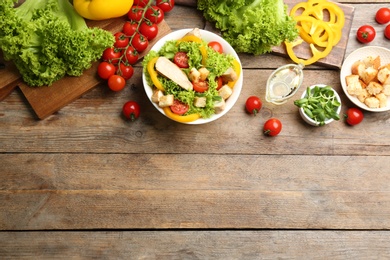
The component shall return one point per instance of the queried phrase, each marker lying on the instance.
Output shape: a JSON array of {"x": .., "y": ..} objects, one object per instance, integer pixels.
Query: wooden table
[{"x": 85, "y": 183}]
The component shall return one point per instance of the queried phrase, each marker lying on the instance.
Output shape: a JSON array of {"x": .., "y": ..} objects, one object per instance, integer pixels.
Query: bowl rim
[
  {"x": 207, "y": 36},
  {"x": 307, "y": 118}
]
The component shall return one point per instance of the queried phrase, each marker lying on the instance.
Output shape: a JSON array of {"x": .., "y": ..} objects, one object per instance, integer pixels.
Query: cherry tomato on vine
[
  {"x": 179, "y": 107},
  {"x": 135, "y": 13},
  {"x": 354, "y": 116},
  {"x": 121, "y": 40},
  {"x": 131, "y": 55},
  {"x": 154, "y": 14},
  {"x": 272, "y": 127},
  {"x": 131, "y": 110},
  {"x": 181, "y": 59},
  {"x": 216, "y": 46},
  {"x": 382, "y": 16},
  {"x": 140, "y": 42},
  {"x": 105, "y": 69},
  {"x": 142, "y": 3},
  {"x": 200, "y": 86},
  {"x": 125, "y": 70},
  {"x": 366, "y": 34},
  {"x": 149, "y": 30},
  {"x": 111, "y": 55},
  {"x": 165, "y": 5},
  {"x": 130, "y": 28},
  {"x": 387, "y": 32},
  {"x": 116, "y": 82},
  {"x": 253, "y": 105}
]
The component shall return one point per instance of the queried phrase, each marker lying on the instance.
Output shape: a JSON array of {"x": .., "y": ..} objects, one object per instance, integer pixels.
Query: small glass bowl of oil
[{"x": 283, "y": 83}]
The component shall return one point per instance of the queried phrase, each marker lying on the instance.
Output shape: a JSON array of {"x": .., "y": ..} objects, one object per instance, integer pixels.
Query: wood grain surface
[{"x": 84, "y": 183}]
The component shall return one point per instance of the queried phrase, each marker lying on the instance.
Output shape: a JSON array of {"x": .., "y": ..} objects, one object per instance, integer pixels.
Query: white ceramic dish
[
  {"x": 360, "y": 54},
  {"x": 311, "y": 121},
  {"x": 207, "y": 36}
]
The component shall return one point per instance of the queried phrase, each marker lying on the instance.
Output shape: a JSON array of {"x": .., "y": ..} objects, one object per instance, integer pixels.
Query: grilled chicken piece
[{"x": 170, "y": 70}]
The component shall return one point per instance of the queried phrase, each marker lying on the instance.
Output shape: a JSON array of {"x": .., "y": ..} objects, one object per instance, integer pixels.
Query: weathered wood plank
[{"x": 359, "y": 245}]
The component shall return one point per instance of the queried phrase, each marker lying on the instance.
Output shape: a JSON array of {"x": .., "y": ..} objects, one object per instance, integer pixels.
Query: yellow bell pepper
[
  {"x": 102, "y": 9},
  {"x": 181, "y": 119},
  {"x": 237, "y": 69},
  {"x": 153, "y": 74}
]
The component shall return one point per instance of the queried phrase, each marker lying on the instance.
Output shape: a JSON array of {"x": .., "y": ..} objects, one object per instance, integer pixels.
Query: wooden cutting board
[
  {"x": 48, "y": 100},
  {"x": 336, "y": 57}
]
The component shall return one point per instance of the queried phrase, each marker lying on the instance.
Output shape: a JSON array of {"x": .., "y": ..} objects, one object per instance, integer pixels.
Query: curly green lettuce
[
  {"x": 250, "y": 26},
  {"x": 48, "y": 39}
]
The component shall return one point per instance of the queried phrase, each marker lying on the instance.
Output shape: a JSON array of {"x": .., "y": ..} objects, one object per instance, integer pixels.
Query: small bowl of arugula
[{"x": 319, "y": 105}]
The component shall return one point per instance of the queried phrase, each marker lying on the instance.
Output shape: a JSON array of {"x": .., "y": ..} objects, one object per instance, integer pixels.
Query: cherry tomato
[
  {"x": 130, "y": 28},
  {"x": 253, "y": 105},
  {"x": 131, "y": 55},
  {"x": 383, "y": 15},
  {"x": 111, "y": 55},
  {"x": 219, "y": 82},
  {"x": 105, "y": 69},
  {"x": 131, "y": 110},
  {"x": 354, "y": 116},
  {"x": 366, "y": 34},
  {"x": 154, "y": 14},
  {"x": 165, "y": 5},
  {"x": 272, "y": 127},
  {"x": 181, "y": 59},
  {"x": 216, "y": 46},
  {"x": 200, "y": 86},
  {"x": 140, "y": 42},
  {"x": 121, "y": 40},
  {"x": 387, "y": 32},
  {"x": 142, "y": 3},
  {"x": 126, "y": 71},
  {"x": 135, "y": 13},
  {"x": 179, "y": 107},
  {"x": 150, "y": 30},
  {"x": 116, "y": 82}
]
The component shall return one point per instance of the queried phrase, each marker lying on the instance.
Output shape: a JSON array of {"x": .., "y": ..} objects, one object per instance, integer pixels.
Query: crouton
[
  {"x": 386, "y": 89},
  {"x": 194, "y": 32},
  {"x": 166, "y": 101},
  {"x": 200, "y": 101},
  {"x": 374, "y": 88},
  {"x": 353, "y": 85},
  {"x": 219, "y": 106},
  {"x": 372, "y": 102},
  {"x": 204, "y": 73},
  {"x": 157, "y": 94},
  {"x": 382, "y": 100},
  {"x": 373, "y": 62},
  {"x": 369, "y": 74},
  {"x": 383, "y": 75},
  {"x": 358, "y": 67},
  {"x": 225, "y": 91},
  {"x": 229, "y": 75},
  {"x": 194, "y": 75}
]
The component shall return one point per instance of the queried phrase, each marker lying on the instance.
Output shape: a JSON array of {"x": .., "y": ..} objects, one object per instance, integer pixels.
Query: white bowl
[
  {"x": 208, "y": 37},
  {"x": 360, "y": 54},
  {"x": 310, "y": 121}
]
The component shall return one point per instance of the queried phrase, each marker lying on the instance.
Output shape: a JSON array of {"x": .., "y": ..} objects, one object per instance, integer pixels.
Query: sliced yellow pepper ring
[
  {"x": 316, "y": 53},
  {"x": 153, "y": 74},
  {"x": 178, "y": 118},
  {"x": 301, "y": 5},
  {"x": 237, "y": 69},
  {"x": 190, "y": 38},
  {"x": 203, "y": 51}
]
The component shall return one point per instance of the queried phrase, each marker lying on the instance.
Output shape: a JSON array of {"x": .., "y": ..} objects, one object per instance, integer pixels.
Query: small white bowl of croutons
[{"x": 365, "y": 78}]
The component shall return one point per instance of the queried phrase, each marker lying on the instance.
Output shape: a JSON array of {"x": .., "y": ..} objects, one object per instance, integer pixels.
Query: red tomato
[
  {"x": 354, "y": 116},
  {"x": 111, "y": 55},
  {"x": 200, "y": 86},
  {"x": 105, "y": 69},
  {"x": 216, "y": 46},
  {"x": 165, "y": 5},
  {"x": 131, "y": 110},
  {"x": 126, "y": 71},
  {"x": 116, "y": 83},
  {"x": 253, "y": 105},
  {"x": 150, "y": 30},
  {"x": 272, "y": 127},
  {"x": 121, "y": 40},
  {"x": 135, "y": 13},
  {"x": 129, "y": 28},
  {"x": 387, "y": 32},
  {"x": 366, "y": 34},
  {"x": 142, "y": 3},
  {"x": 181, "y": 59},
  {"x": 140, "y": 42},
  {"x": 179, "y": 107},
  {"x": 131, "y": 55},
  {"x": 219, "y": 82},
  {"x": 383, "y": 15},
  {"x": 154, "y": 14}
]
